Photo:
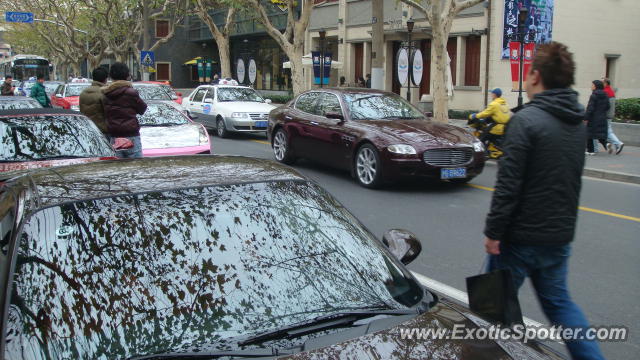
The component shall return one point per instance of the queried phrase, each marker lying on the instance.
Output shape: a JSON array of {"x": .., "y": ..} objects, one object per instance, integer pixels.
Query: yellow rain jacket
[{"x": 499, "y": 112}]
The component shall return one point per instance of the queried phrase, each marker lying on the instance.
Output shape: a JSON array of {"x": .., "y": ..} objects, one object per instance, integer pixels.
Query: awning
[
  {"x": 306, "y": 61},
  {"x": 194, "y": 61}
]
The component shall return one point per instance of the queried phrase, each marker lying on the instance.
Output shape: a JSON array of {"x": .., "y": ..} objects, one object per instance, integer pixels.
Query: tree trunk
[
  {"x": 146, "y": 37},
  {"x": 297, "y": 76},
  {"x": 225, "y": 56},
  {"x": 439, "y": 58},
  {"x": 64, "y": 68}
]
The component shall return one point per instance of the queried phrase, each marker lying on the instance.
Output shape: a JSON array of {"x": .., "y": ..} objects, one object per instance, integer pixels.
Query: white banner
[
  {"x": 403, "y": 66},
  {"x": 417, "y": 67},
  {"x": 252, "y": 71},
  {"x": 240, "y": 71}
]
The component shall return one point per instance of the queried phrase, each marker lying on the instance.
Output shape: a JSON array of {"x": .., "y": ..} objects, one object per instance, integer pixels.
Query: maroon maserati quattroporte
[{"x": 376, "y": 135}]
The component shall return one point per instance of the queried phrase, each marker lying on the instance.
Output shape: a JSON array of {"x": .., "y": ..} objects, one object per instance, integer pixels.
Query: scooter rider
[{"x": 498, "y": 113}]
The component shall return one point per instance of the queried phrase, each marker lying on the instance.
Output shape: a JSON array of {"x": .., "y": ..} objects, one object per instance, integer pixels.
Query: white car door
[{"x": 195, "y": 106}]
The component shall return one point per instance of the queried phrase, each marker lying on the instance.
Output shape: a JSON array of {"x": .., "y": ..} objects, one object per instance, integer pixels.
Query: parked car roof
[
  {"x": 39, "y": 111},
  {"x": 128, "y": 176}
]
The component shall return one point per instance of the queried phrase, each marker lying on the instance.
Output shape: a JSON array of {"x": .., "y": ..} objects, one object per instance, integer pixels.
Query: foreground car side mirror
[
  {"x": 403, "y": 244},
  {"x": 334, "y": 115},
  {"x": 267, "y": 101}
]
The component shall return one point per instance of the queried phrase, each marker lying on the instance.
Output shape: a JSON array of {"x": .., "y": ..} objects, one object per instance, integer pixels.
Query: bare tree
[
  {"x": 220, "y": 35},
  {"x": 440, "y": 14},
  {"x": 292, "y": 40}
]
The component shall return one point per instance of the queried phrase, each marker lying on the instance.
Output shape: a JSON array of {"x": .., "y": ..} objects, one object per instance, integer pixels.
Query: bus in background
[{"x": 24, "y": 67}]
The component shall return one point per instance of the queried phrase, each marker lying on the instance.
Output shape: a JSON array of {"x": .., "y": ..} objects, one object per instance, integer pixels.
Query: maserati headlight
[
  {"x": 238, "y": 115},
  {"x": 75, "y": 107},
  {"x": 204, "y": 136},
  {"x": 478, "y": 146},
  {"x": 402, "y": 149}
]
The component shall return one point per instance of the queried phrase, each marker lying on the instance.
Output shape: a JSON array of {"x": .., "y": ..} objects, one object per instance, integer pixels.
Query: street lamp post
[
  {"x": 323, "y": 35},
  {"x": 522, "y": 19},
  {"x": 410, "y": 24}
]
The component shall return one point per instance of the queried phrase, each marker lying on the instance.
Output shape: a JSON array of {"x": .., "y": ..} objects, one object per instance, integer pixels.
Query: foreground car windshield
[
  {"x": 75, "y": 90},
  {"x": 152, "y": 93},
  {"x": 162, "y": 114},
  {"x": 187, "y": 269},
  {"x": 238, "y": 94},
  {"x": 19, "y": 104},
  {"x": 371, "y": 106},
  {"x": 44, "y": 137}
]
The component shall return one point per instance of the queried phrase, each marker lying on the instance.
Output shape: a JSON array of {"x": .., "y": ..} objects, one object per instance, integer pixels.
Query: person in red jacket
[
  {"x": 122, "y": 104},
  {"x": 612, "y": 139}
]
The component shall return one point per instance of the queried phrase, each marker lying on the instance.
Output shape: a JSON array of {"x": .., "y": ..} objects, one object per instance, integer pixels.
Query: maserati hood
[
  {"x": 162, "y": 137},
  {"x": 427, "y": 133}
]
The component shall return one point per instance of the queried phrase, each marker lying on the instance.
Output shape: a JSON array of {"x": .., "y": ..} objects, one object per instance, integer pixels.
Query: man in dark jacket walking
[
  {"x": 535, "y": 204},
  {"x": 91, "y": 99},
  {"x": 39, "y": 92},
  {"x": 122, "y": 104},
  {"x": 596, "y": 116}
]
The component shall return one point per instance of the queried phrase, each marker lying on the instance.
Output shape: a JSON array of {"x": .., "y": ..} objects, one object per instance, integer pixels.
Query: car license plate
[
  {"x": 261, "y": 124},
  {"x": 456, "y": 173}
]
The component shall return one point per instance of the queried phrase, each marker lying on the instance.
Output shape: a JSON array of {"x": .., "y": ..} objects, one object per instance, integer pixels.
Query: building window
[
  {"x": 162, "y": 28},
  {"x": 452, "y": 49},
  {"x": 163, "y": 71},
  {"x": 472, "y": 61}
]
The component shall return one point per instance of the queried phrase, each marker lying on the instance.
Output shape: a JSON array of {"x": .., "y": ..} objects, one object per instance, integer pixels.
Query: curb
[
  {"x": 612, "y": 175},
  {"x": 597, "y": 174}
]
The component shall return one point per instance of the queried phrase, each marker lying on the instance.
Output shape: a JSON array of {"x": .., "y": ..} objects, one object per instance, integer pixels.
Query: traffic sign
[
  {"x": 18, "y": 17},
  {"x": 147, "y": 58}
]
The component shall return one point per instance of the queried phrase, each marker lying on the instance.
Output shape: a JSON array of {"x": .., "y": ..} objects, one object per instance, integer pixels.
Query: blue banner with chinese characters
[
  {"x": 538, "y": 27},
  {"x": 317, "y": 61}
]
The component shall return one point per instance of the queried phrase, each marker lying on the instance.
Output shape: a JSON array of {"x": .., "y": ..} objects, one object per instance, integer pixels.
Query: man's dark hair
[
  {"x": 606, "y": 81},
  {"x": 8, "y": 77},
  {"x": 119, "y": 71},
  {"x": 598, "y": 84},
  {"x": 40, "y": 77},
  {"x": 100, "y": 74},
  {"x": 555, "y": 64}
]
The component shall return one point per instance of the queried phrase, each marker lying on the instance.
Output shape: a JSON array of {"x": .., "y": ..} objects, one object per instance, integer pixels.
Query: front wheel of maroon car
[
  {"x": 368, "y": 170},
  {"x": 281, "y": 148}
]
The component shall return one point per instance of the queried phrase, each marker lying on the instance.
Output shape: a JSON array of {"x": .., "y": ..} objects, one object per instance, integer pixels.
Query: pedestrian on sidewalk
[
  {"x": 612, "y": 139},
  {"x": 343, "y": 82},
  {"x": 39, "y": 92},
  {"x": 7, "y": 89},
  {"x": 122, "y": 104},
  {"x": 91, "y": 99},
  {"x": 596, "y": 117},
  {"x": 368, "y": 81},
  {"x": 532, "y": 220}
]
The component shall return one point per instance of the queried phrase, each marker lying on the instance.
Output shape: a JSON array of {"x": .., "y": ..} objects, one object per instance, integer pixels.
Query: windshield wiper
[
  {"x": 253, "y": 353},
  {"x": 400, "y": 117},
  {"x": 163, "y": 124},
  {"x": 324, "y": 322}
]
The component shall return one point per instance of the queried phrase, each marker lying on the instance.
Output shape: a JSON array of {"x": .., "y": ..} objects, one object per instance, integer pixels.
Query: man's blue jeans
[{"x": 547, "y": 267}]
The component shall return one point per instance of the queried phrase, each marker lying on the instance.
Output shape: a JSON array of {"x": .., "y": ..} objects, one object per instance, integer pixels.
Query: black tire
[
  {"x": 281, "y": 147},
  {"x": 368, "y": 167},
  {"x": 221, "y": 130}
]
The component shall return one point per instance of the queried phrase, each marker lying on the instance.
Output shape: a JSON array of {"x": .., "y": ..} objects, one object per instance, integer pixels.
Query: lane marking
[
  {"x": 261, "y": 142},
  {"x": 456, "y": 294},
  {"x": 583, "y": 208}
]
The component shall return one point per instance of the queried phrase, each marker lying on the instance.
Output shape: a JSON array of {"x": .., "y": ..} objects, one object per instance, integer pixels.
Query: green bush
[
  {"x": 628, "y": 109},
  {"x": 460, "y": 114},
  {"x": 279, "y": 99}
]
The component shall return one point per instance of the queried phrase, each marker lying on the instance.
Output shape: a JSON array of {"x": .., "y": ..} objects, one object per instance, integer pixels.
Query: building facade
[{"x": 601, "y": 46}]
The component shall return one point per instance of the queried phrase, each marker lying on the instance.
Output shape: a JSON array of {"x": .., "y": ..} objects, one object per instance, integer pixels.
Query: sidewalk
[{"x": 624, "y": 167}]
